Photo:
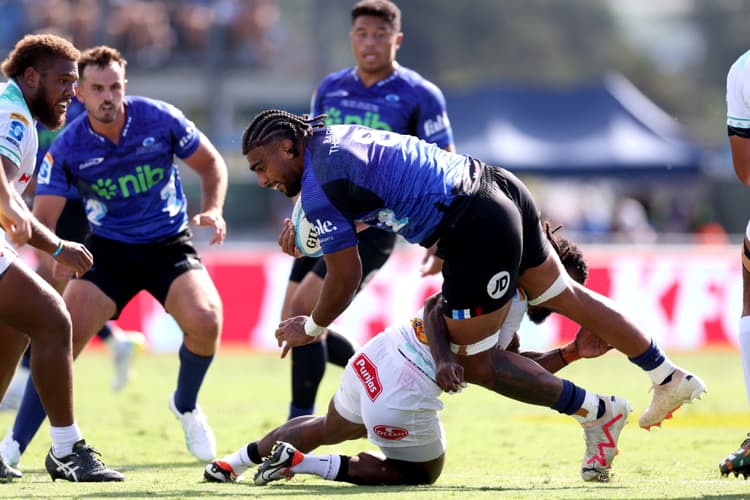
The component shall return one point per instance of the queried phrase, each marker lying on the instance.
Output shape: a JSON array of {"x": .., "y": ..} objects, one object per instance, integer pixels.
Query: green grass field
[{"x": 497, "y": 448}]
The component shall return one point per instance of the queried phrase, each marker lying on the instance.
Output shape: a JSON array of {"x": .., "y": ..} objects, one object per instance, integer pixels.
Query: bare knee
[
  {"x": 54, "y": 326},
  {"x": 202, "y": 328}
]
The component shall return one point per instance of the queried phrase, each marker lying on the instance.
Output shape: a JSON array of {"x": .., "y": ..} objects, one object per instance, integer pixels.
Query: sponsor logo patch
[
  {"x": 498, "y": 284},
  {"x": 367, "y": 373},
  {"x": 418, "y": 325},
  {"x": 20, "y": 118},
  {"x": 391, "y": 433}
]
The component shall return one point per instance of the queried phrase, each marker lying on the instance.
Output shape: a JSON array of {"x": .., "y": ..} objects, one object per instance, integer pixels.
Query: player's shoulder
[
  {"x": 13, "y": 105},
  {"x": 148, "y": 108},
  {"x": 740, "y": 69},
  {"x": 336, "y": 79},
  {"x": 417, "y": 83},
  {"x": 76, "y": 131}
]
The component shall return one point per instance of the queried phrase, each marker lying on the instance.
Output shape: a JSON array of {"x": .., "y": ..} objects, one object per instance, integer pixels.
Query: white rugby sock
[
  {"x": 325, "y": 466},
  {"x": 63, "y": 439},
  {"x": 239, "y": 461},
  {"x": 591, "y": 405},
  {"x": 744, "y": 340},
  {"x": 661, "y": 372}
]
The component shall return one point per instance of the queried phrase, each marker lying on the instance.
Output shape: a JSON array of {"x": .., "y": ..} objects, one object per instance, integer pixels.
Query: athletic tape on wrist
[{"x": 312, "y": 329}]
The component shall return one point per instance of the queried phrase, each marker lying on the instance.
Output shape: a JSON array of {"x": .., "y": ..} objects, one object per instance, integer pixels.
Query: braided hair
[
  {"x": 573, "y": 260},
  {"x": 570, "y": 255},
  {"x": 273, "y": 124}
]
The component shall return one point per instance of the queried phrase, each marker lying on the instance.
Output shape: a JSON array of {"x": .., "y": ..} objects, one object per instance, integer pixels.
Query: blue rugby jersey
[
  {"x": 132, "y": 191},
  {"x": 386, "y": 180},
  {"x": 404, "y": 102},
  {"x": 47, "y": 137}
]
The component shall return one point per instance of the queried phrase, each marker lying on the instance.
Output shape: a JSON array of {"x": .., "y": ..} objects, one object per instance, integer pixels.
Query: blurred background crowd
[{"x": 223, "y": 60}]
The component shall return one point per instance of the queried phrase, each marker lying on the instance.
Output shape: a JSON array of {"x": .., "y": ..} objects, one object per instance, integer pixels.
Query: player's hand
[
  {"x": 449, "y": 375},
  {"x": 431, "y": 263},
  {"x": 291, "y": 333},
  {"x": 76, "y": 257},
  {"x": 286, "y": 239},
  {"x": 588, "y": 345},
  {"x": 15, "y": 218},
  {"x": 62, "y": 273},
  {"x": 216, "y": 221}
]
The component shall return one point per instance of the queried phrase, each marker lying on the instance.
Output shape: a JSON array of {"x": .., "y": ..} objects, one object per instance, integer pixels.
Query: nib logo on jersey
[
  {"x": 369, "y": 119},
  {"x": 143, "y": 179}
]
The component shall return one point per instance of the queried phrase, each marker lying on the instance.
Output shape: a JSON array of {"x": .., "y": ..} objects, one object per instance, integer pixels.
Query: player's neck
[{"x": 370, "y": 78}]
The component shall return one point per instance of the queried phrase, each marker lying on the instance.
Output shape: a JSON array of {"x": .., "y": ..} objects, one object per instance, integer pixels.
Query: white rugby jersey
[
  {"x": 410, "y": 339},
  {"x": 18, "y": 137},
  {"x": 738, "y": 93}
]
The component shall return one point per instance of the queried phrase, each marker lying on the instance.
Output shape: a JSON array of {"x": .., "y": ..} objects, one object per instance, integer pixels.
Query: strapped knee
[{"x": 555, "y": 289}]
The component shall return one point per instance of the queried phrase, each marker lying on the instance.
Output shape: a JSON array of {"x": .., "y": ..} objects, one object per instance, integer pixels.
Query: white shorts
[
  {"x": 397, "y": 403},
  {"x": 7, "y": 255}
]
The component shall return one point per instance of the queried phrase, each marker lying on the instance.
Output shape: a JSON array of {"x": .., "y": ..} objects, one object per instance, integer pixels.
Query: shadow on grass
[{"x": 246, "y": 488}]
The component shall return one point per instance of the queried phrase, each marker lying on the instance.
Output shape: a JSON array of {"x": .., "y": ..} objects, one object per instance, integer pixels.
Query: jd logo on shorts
[{"x": 498, "y": 284}]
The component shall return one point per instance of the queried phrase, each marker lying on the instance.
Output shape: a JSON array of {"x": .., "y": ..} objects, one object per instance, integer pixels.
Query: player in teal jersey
[{"x": 42, "y": 72}]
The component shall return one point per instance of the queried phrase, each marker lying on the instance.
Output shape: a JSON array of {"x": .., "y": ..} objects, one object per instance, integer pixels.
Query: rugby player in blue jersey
[
  {"x": 379, "y": 93},
  {"x": 486, "y": 226},
  {"x": 41, "y": 72},
  {"x": 119, "y": 156}
]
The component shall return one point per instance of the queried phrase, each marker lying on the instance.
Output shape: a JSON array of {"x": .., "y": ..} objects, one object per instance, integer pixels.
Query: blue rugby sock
[
  {"x": 571, "y": 398},
  {"x": 105, "y": 333},
  {"x": 298, "y": 412},
  {"x": 29, "y": 418},
  {"x": 26, "y": 359},
  {"x": 189, "y": 379}
]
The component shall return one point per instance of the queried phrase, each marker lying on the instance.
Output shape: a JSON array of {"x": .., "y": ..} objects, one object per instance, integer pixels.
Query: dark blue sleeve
[
  {"x": 335, "y": 231},
  {"x": 185, "y": 136},
  {"x": 433, "y": 124}
]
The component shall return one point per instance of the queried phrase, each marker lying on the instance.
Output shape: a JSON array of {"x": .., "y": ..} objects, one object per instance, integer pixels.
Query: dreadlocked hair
[
  {"x": 570, "y": 255},
  {"x": 273, "y": 124}
]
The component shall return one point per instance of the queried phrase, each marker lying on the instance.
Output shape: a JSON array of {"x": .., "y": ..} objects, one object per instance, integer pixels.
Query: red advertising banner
[{"x": 686, "y": 298}]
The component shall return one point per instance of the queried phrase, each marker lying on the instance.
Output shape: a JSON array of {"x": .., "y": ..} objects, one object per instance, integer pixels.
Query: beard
[
  {"x": 293, "y": 189},
  {"x": 537, "y": 315},
  {"x": 45, "y": 111}
]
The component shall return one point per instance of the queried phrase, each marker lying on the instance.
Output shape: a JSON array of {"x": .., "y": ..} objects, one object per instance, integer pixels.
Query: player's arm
[
  {"x": 339, "y": 287},
  {"x": 340, "y": 284},
  {"x": 74, "y": 256},
  {"x": 740, "y": 147},
  {"x": 585, "y": 345},
  {"x": 210, "y": 166},
  {"x": 449, "y": 374},
  {"x": 46, "y": 210},
  {"x": 14, "y": 214}
]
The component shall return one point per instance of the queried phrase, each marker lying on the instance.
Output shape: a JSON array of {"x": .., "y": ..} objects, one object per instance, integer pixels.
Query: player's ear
[
  {"x": 289, "y": 148},
  {"x": 399, "y": 40},
  {"x": 31, "y": 77}
]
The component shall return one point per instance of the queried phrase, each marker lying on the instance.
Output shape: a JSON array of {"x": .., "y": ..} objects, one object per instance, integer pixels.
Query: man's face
[
  {"x": 54, "y": 92},
  {"x": 101, "y": 90},
  {"x": 374, "y": 44},
  {"x": 276, "y": 167}
]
